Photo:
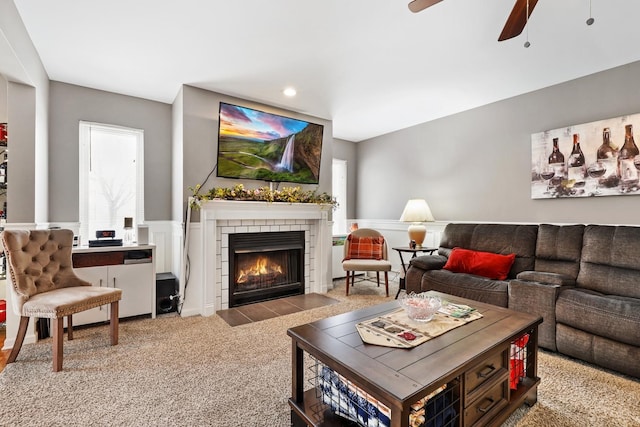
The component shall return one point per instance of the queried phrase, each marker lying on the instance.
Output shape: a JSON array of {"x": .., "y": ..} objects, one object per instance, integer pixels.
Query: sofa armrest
[
  {"x": 537, "y": 298},
  {"x": 417, "y": 267},
  {"x": 548, "y": 278},
  {"x": 428, "y": 262}
]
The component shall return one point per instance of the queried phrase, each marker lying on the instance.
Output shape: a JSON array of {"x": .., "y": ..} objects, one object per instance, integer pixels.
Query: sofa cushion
[
  {"x": 501, "y": 239},
  {"x": 454, "y": 236},
  {"x": 612, "y": 316},
  {"x": 466, "y": 286},
  {"x": 365, "y": 247},
  {"x": 486, "y": 264},
  {"x": 599, "y": 350},
  {"x": 610, "y": 263},
  {"x": 558, "y": 249}
]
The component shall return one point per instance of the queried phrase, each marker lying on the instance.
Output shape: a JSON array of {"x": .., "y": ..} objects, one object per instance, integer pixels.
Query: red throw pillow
[
  {"x": 365, "y": 247},
  {"x": 486, "y": 264}
]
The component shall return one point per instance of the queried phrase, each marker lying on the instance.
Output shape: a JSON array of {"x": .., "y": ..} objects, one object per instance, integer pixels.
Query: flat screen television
[{"x": 253, "y": 144}]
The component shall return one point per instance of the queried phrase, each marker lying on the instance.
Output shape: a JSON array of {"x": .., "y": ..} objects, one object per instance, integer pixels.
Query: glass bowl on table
[{"x": 420, "y": 307}]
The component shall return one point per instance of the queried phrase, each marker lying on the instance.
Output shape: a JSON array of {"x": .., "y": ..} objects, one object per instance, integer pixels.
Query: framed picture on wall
[{"x": 592, "y": 159}]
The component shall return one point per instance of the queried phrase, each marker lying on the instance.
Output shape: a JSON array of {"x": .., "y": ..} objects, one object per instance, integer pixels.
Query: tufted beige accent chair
[
  {"x": 350, "y": 266},
  {"x": 44, "y": 285}
]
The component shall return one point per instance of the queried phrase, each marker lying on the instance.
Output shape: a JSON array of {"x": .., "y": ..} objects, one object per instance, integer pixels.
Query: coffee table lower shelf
[{"x": 314, "y": 413}]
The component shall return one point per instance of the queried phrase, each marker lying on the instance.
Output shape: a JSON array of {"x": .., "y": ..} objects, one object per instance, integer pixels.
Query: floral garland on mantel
[{"x": 262, "y": 194}]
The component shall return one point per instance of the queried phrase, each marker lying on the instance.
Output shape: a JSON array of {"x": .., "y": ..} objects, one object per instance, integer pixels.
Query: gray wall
[
  {"x": 3, "y": 99},
  {"x": 27, "y": 103},
  {"x": 21, "y": 143},
  {"x": 346, "y": 150},
  {"x": 177, "y": 157},
  {"x": 200, "y": 135},
  {"x": 69, "y": 105},
  {"x": 476, "y": 165}
]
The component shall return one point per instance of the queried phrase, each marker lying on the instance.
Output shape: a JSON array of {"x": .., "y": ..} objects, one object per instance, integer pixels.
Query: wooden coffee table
[{"x": 476, "y": 362}]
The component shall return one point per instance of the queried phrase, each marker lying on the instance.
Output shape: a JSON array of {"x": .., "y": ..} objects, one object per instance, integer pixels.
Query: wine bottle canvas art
[{"x": 592, "y": 159}]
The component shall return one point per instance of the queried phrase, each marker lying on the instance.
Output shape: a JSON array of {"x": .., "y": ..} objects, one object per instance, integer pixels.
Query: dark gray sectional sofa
[{"x": 583, "y": 280}]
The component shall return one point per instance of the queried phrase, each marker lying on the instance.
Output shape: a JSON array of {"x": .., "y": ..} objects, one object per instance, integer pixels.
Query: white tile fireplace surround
[{"x": 219, "y": 218}]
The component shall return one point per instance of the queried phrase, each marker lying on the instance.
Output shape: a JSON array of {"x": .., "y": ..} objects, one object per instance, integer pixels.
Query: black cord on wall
[{"x": 187, "y": 267}]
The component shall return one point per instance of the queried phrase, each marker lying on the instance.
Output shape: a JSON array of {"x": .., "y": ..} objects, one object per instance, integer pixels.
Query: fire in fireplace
[
  {"x": 259, "y": 272},
  {"x": 264, "y": 266}
]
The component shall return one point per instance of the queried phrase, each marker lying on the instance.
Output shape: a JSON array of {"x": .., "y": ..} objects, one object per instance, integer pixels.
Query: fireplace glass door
[{"x": 264, "y": 266}]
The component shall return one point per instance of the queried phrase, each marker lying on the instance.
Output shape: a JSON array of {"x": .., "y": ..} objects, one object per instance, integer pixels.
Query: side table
[{"x": 414, "y": 252}]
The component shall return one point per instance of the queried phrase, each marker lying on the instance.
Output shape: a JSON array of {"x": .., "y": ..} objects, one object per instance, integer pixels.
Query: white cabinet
[
  {"x": 131, "y": 269},
  {"x": 337, "y": 255},
  {"x": 137, "y": 282},
  {"x": 97, "y": 276}
]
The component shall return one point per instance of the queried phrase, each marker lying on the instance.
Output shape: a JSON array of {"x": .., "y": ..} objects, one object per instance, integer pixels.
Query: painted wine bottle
[
  {"x": 607, "y": 155},
  {"x": 626, "y": 168},
  {"x": 556, "y": 162},
  {"x": 576, "y": 164}
]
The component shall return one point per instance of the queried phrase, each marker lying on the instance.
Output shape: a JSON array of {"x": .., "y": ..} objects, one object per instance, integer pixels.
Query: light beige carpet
[{"x": 201, "y": 372}]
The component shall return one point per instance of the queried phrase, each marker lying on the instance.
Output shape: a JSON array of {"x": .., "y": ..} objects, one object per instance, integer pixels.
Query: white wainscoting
[{"x": 192, "y": 279}]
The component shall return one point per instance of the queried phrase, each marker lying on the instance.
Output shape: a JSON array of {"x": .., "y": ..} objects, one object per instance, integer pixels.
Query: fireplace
[
  {"x": 264, "y": 266},
  {"x": 210, "y": 277}
]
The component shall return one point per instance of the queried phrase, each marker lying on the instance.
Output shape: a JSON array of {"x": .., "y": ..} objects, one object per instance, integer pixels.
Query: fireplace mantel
[
  {"x": 235, "y": 209},
  {"x": 218, "y": 218}
]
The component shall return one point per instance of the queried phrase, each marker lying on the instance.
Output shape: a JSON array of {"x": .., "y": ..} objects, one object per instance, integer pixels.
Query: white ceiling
[{"x": 371, "y": 66}]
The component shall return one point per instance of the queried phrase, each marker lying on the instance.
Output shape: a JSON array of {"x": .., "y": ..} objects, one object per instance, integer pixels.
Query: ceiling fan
[{"x": 512, "y": 28}]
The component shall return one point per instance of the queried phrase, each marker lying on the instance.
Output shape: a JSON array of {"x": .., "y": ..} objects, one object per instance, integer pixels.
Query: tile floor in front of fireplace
[{"x": 268, "y": 309}]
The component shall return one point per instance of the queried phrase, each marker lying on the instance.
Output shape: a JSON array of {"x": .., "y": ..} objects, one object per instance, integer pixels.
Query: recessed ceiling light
[{"x": 289, "y": 91}]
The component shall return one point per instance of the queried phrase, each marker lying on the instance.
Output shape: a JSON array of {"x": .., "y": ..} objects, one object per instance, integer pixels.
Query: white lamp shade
[{"x": 417, "y": 210}]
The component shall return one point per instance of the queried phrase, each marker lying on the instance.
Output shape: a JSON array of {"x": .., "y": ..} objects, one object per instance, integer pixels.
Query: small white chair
[{"x": 365, "y": 249}]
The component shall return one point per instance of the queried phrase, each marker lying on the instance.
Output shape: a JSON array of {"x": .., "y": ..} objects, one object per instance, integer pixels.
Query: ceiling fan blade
[
  {"x": 418, "y": 5},
  {"x": 517, "y": 19}
]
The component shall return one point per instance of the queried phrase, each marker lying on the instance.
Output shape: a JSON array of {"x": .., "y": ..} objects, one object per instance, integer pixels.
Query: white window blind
[{"x": 111, "y": 178}]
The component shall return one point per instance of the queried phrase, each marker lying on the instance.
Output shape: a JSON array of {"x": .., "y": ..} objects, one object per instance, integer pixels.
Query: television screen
[{"x": 253, "y": 144}]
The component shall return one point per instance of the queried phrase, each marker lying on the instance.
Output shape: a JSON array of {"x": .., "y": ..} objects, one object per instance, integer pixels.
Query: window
[
  {"x": 339, "y": 191},
  {"x": 111, "y": 178}
]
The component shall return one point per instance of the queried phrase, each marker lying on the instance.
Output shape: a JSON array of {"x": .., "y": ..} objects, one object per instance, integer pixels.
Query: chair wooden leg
[
  {"x": 58, "y": 331},
  {"x": 348, "y": 274},
  {"x": 17, "y": 345},
  {"x": 378, "y": 277},
  {"x": 70, "y": 327},
  {"x": 113, "y": 323},
  {"x": 386, "y": 282}
]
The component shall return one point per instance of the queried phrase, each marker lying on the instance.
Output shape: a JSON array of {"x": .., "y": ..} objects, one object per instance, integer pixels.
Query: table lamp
[{"x": 416, "y": 212}]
